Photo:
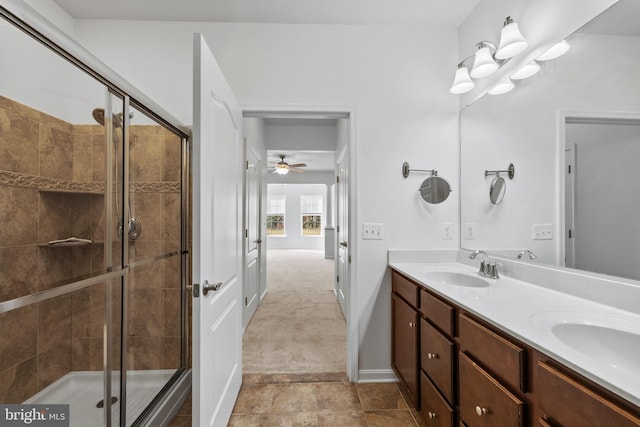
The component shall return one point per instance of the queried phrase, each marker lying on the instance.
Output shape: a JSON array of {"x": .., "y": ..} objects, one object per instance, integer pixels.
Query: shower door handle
[{"x": 207, "y": 287}]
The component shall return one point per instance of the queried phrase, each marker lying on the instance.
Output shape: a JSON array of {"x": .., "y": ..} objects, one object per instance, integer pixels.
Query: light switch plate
[
  {"x": 469, "y": 230},
  {"x": 446, "y": 231},
  {"x": 541, "y": 232},
  {"x": 372, "y": 231}
]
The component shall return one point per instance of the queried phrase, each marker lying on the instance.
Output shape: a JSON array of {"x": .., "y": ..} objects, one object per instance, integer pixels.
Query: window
[
  {"x": 275, "y": 215},
  {"x": 311, "y": 211}
]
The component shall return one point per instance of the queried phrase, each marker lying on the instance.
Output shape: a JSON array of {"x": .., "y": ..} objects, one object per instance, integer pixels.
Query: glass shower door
[{"x": 154, "y": 297}]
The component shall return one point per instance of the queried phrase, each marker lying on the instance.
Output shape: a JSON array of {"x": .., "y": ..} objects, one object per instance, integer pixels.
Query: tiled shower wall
[{"x": 51, "y": 187}]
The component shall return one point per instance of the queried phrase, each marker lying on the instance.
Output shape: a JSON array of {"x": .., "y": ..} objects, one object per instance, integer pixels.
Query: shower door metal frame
[{"x": 29, "y": 21}]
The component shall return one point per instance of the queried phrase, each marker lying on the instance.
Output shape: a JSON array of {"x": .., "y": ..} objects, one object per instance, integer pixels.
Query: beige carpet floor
[{"x": 298, "y": 328}]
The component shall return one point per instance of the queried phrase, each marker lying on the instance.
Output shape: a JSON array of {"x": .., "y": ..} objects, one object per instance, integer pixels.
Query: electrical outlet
[
  {"x": 446, "y": 232},
  {"x": 371, "y": 231},
  {"x": 469, "y": 231},
  {"x": 541, "y": 232}
]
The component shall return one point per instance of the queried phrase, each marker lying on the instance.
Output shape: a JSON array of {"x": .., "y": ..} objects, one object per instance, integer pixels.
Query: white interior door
[
  {"x": 342, "y": 231},
  {"x": 569, "y": 205},
  {"x": 217, "y": 244},
  {"x": 253, "y": 233}
]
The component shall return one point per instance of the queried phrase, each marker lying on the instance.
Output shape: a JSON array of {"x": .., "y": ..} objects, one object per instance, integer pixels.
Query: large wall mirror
[{"x": 573, "y": 134}]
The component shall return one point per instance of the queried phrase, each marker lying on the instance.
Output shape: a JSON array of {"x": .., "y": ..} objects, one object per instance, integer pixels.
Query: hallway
[{"x": 298, "y": 328}]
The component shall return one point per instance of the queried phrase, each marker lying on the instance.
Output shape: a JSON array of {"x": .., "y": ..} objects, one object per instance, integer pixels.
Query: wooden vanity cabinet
[
  {"x": 463, "y": 372},
  {"x": 405, "y": 338}
]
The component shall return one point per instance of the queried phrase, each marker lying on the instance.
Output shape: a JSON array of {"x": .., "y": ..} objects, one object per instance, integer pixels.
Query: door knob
[
  {"x": 343, "y": 244},
  {"x": 431, "y": 356},
  {"x": 207, "y": 287},
  {"x": 480, "y": 411},
  {"x": 259, "y": 241}
]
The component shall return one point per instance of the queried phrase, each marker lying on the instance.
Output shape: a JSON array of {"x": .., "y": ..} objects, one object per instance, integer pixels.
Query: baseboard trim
[{"x": 377, "y": 376}]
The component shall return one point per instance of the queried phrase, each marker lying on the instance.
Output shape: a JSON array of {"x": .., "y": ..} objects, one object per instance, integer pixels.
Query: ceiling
[{"x": 343, "y": 12}]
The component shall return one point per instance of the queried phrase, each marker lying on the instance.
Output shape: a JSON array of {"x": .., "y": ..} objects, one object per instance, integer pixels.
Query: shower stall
[{"x": 94, "y": 246}]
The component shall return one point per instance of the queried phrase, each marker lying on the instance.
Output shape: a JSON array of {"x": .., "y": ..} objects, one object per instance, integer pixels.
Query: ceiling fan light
[
  {"x": 280, "y": 170},
  {"x": 511, "y": 40},
  {"x": 527, "y": 71},
  {"x": 555, "y": 51}
]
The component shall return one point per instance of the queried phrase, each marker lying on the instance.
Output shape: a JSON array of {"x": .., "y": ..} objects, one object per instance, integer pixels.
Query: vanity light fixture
[
  {"x": 555, "y": 51},
  {"x": 502, "y": 88},
  {"x": 527, "y": 71},
  {"x": 511, "y": 40},
  {"x": 483, "y": 64},
  {"x": 489, "y": 58}
]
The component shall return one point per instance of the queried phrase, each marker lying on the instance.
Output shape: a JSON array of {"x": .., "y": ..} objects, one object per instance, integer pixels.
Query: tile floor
[{"x": 317, "y": 404}]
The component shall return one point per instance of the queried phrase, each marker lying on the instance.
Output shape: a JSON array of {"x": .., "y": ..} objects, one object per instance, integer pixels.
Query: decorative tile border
[{"x": 51, "y": 184}]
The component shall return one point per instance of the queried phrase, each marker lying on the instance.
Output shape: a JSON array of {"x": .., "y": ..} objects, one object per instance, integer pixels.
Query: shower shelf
[{"x": 70, "y": 244}]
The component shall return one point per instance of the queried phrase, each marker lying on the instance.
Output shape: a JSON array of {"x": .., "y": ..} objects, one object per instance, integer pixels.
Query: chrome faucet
[
  {"x": 527, "y": 252},
  {"x": 487, "y": 268}
]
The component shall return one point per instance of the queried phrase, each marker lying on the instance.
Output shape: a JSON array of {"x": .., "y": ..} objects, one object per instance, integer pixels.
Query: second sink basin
[
  {"x": 454, "y": 278},
  {"x": 612, "y": 341},
  {"x": 615, "y": 347}
]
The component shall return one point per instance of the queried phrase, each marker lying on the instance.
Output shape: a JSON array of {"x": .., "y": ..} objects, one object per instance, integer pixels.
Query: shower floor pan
[{"x": 83, "y": 390}]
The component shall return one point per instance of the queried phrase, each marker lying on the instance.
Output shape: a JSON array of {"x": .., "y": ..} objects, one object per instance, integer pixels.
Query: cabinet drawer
[
  {"x": 570, "y": 403},
  {"x": 484, "y": 402},
  {"x": 405, "y": 288},
  {"x": 436, "y": 355},
  {"x": 435, "y": 411},
  {"x": 439, "y": 312},
  {"x": 505, "y": 360}
]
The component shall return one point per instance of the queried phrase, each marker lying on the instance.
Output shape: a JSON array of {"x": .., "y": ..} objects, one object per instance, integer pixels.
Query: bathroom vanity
[{"x": 478, "y": 352}]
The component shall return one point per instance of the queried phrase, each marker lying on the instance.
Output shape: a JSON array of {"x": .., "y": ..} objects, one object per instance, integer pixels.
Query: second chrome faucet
[{"x": 487, "y": 267}]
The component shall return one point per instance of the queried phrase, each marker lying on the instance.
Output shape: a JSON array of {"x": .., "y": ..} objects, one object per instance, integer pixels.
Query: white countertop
[{"x": 528, "y": 312}]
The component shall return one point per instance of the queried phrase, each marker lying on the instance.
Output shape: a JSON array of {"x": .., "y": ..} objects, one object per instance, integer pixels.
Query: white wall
[
  {"x": 395, "y": 77},
  {"x": 293, "y": 238},
  {"x": 301, "y": 137},
  {"x": 607, "y": 231}
]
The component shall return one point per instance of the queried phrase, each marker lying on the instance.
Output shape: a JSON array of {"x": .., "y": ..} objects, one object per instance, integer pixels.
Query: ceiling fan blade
[
  {"x": 296, "y": 169},
  {"x": 298, "y": 165}
]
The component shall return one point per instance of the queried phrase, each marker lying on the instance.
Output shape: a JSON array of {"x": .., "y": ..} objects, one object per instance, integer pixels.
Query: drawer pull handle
[
  {"x": 412, "y": 324},
  {"x": 431, "y": 356},
  {"x": 432, "y": 415},
  {"x": 481, "y": 411}
]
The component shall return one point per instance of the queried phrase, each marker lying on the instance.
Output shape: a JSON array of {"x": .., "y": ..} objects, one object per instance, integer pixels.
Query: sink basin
[
  {"x": 611, "y": 341},
  {"x": 617, "y": 348},
  {"x": 454, "y": 278}
]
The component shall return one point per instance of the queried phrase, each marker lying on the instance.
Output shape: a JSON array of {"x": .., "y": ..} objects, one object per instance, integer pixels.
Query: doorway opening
[
  {"x": 600, "y": 190},
  {"x": 298, "y": 327}
]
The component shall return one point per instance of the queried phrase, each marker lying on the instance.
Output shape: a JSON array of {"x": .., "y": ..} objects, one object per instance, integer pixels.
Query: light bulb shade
[
  {"x": 527, "y": 71},
  {"x": 281, "y": 170},
  {"x": 511, "y": 41},
  {"x": 504, "y": 87},
  {"x": 483, "y": 64},
  {"x": 555, "y": 51},
  {"x": 462, "y": 83}
]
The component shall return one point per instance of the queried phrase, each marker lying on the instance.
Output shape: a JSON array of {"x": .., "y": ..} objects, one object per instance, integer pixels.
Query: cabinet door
[
  {"x": 405, "y": 344},
  {"x": 571, "y": 403},
  {"x": 484, "y": 402}
]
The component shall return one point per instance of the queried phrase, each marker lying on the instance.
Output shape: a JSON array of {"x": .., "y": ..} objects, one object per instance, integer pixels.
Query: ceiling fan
[{"x": 283, "y": 168}]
